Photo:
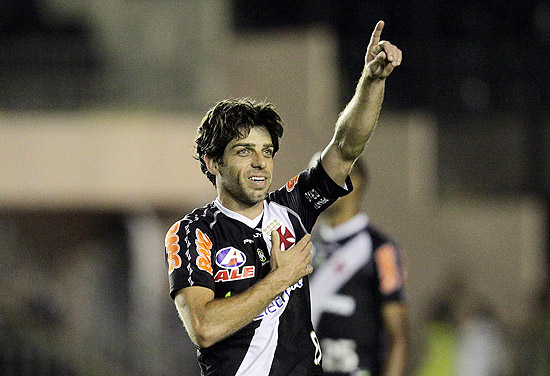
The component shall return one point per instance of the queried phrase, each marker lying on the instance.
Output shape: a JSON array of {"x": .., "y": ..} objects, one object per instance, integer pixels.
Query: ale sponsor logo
[{"x": 230, "y": 257}]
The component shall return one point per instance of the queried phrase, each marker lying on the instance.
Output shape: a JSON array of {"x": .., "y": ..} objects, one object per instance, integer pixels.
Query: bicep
[{"x": 336, "y": 166}]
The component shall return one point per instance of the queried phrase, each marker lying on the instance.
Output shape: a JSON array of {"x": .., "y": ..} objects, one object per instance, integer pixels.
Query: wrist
[
  {"x": 276, "y": 281},
  {"x": 369, "y": 78}
]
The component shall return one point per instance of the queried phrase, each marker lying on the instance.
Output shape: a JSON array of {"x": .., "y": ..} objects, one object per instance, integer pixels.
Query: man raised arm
[
  {"x": 358, "y": 120},
  {"x": 238, "y": 267}
]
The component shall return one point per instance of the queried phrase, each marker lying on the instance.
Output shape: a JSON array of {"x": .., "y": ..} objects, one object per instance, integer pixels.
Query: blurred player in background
[
  {"x": 357, "y": 291},
  {"x": 238, "y": 267}
]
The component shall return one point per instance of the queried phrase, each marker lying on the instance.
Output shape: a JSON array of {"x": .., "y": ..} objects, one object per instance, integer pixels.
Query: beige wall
[
  {"x": 135, "y": 162},
  {"x": 124, "y": 159},
  {"x": 99, "y": 160}
]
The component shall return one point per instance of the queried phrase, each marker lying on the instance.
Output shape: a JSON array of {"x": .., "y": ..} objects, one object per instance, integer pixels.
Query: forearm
[
  {"x": 356, "y": 123},
  {"x": 203, "y": 322},
  {"x": 394, "y": 316},
  {"x": 395, "y": 362},
  {"x": 358, "y": 120}
]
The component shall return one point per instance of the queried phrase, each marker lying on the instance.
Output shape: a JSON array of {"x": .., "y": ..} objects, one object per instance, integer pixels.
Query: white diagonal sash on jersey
[
  {"x": 275, "y": 215},
  {"x": 261, "y": 351},
  {"x": 258, "y": 359},
  {"x": 325, "y": 281}
]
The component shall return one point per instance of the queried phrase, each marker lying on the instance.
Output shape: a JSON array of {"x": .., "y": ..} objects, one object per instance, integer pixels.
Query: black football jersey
[
  {"x": 356, "y": 270},
  {"x": 219, "y": 249}
]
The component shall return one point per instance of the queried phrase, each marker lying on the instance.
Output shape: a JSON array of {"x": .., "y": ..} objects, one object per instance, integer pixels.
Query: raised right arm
[{"x": 356, "y": 123}]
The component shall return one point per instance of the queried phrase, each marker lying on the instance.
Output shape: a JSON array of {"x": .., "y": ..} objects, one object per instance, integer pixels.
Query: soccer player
[
  {"x": 357, "y": 291},
  {"x": 238, "y": 267}
]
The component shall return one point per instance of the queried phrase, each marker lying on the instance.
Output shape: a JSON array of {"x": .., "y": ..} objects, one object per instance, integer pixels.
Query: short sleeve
[
  {"x": 188, "y": 257},
  {"x": 310, "y": 193},
  {"x": 389, "y": 267}
]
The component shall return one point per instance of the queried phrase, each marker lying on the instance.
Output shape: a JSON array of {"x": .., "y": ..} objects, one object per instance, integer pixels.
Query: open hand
[{"x": 294, "y": 263}]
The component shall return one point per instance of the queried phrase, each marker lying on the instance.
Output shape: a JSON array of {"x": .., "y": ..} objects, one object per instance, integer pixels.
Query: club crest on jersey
[
  {"x": 287, "y": 237},
  {"x": 230, "y": 258}
]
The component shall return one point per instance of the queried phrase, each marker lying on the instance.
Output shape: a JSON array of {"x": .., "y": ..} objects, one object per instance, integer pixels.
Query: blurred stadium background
[{"x": 99, "y": 104}]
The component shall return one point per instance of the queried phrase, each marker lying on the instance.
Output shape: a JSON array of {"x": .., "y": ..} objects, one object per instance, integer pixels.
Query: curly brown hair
[{"x": 232, "y": 119}]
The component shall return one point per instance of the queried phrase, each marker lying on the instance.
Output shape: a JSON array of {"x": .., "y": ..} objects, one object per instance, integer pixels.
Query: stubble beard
[{"x": 248, "y": 197}]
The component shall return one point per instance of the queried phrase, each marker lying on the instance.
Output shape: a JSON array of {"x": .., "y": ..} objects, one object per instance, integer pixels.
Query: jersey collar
[{"x": 252, "y": 223}]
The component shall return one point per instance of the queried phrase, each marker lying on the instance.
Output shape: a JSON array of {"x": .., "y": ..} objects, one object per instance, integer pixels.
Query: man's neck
[{"x": 247, "y": 211}]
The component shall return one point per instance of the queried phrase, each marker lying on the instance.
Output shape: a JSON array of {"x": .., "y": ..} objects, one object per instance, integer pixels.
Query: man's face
[{"x": 245, "y": 174}]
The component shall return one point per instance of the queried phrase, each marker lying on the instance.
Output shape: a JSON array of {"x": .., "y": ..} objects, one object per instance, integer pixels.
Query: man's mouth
[{"x": 257, "y": 178}]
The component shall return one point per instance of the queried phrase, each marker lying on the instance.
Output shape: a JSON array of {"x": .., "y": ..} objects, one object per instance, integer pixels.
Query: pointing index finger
[{"x": 375, "y": 37}]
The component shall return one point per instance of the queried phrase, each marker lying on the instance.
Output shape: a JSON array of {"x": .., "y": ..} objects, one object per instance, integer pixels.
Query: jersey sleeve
[
  {"x": 310, "y": 193},
  {"x": 188, "y": 257},
  {"x": 389, "y": 267}
]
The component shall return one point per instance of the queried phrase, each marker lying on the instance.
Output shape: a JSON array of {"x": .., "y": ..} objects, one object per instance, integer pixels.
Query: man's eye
[
  {"x": 242, "y": 152},
  {"x": 268, "y": 152}
]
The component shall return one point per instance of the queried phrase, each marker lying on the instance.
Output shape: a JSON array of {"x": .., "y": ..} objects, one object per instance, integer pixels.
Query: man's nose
[{"x": 259, "y": 160}]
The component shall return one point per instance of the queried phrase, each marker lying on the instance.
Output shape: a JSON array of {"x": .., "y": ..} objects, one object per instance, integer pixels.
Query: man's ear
[{"x": 211, "y": 164}]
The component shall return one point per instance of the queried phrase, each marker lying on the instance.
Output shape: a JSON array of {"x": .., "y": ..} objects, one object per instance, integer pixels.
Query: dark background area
[
  {"x": 482, "y": 68},
  {"x": 444, "y": 43}
]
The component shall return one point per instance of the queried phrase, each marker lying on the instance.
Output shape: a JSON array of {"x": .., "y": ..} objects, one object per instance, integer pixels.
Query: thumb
[
  {"x": 275, "y": 242},
  {"x": 380, "y": 58}
]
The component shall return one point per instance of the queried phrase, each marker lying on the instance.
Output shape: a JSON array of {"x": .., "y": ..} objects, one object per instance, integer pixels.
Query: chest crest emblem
[{"x": 287, "y": 237}]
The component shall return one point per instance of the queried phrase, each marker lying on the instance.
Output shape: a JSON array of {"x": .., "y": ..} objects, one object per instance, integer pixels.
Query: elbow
[
  {"x": 202, "y": 335},
  {"x": 202, "y": 342},
  {"x": 202, "y": 330}
]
